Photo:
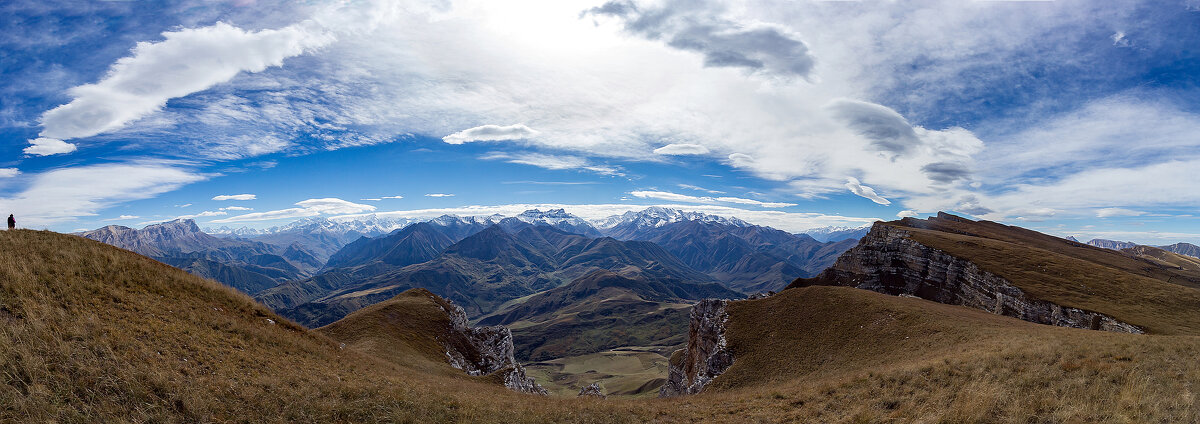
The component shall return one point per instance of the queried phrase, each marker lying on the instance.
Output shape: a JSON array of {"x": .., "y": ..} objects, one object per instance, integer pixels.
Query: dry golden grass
[
  {"x": 1159, "y": 299},
  {"x": 91, "y": 333}
]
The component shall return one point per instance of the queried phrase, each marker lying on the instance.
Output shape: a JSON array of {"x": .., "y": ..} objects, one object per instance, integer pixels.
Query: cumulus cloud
[
  {"x": 187, "y": 61},
  {"x": 690, "y": 26},
  {"x": 61, "y": 195},
  {"x": 907, "y": 214},
  {"x": 9, "y": 172},
  {"x": 43, "y": 146},
  {"x": 682, "y": 149},
  {"x": 307, "y": 208},
  {"x": 676, "y": 197},
  {"x": 491, "y": 133},
  {"x": 857, "y": 188},
  {"x": 555, "y": 162},
  {"x": 235, "y": 197}
]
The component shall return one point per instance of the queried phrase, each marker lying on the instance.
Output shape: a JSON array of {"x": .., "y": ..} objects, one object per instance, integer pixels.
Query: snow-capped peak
[
  {"x": 656, "y": 216},
  {"x": 551, "y": 217}
]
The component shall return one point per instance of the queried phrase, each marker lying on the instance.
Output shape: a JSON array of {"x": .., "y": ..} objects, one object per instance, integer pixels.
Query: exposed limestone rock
[
  {"x": 484, "y": 350},
  {"x": 706, "y": 355},
  {"x": 592, "y": 390},
  {"x": 888, "y": 261}
]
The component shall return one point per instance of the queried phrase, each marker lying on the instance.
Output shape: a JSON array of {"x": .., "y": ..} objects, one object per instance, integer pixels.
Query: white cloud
[
  {"x": 43, "y": 146},
  {"x": 235, "y": 197},
  {"x": 9, "y": 172},
  {"x": 310, "y": 207},
  {"x": 682, "y": 149},
  {"x": 907, "y": 214},
  {"x": 371, "y": 199},
  {"x": 554, "y": 162},
  {"x": 491, "y": 133},
  {"x": 183, "y": 205},
  {"x": 187, "y": 61},
  {"x": 236, "y": 208},
  {"x": 122, "y": 218},
  {"x": 676, "y": 197},
  {"x": 60, "y": 195},
  {"x": 1111, "y": 212},
  {"x": 392, "y": 197},
  {"x": 438, "y": 195},
  {"x": 857, "y": 188},
  {"x": 204, "y": 214}
]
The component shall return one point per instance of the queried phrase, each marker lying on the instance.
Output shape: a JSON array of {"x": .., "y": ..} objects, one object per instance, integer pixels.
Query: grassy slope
[
  {"x": 843, "y": 354},
  {"x": 92, "y": 333},
  {"x": 404, "y": 330},
  {"x": 1161, "y": 299}
]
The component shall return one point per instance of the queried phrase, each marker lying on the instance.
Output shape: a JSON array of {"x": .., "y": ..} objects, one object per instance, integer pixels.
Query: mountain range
[
  {"x": 96, "y": 333},
  {"x": 249, "y": 266}
]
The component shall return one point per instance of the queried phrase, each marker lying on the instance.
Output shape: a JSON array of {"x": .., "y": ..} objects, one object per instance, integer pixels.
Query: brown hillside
[
  {"x": 92, "y": 333},
  {"x": 1165, "y": 258},
  {"x": 1160, "y": 299},
  {"x": 403, "y": 330},
  {"x": 842, "y": 354}
]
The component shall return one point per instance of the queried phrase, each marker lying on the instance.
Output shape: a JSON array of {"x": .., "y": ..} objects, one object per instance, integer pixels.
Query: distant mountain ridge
[
  {"x": 480, "y": 272},
  {"x": 245, "y": 265}
]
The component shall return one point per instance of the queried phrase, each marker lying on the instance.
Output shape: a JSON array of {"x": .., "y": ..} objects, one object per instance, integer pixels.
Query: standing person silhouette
[{"x": 12, "y": 222}]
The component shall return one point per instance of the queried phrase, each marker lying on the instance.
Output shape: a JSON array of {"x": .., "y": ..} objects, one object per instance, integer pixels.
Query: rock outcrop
[
  {"x": 707, "y": 354},
  {"x": 592, "y": 390},
  {"x": 888, "y": 261},
  {"x": 485, "y": 350}
]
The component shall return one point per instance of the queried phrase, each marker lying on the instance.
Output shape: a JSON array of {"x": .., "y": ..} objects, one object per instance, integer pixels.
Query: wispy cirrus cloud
[
  {"x": 307, "y": 208},
  {"x": 676, "y": 197},
  {"x": 235, "y": 197},
  {"x": 554, "y": 162},
  {"x": 62, "y": 195}
]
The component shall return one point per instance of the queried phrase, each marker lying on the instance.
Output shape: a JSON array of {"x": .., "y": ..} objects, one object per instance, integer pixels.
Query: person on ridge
[{"x": 12, "y": 222}]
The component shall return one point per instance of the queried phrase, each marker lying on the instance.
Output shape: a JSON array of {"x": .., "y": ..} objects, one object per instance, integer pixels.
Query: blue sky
[{"x": 1070, "y": 117}]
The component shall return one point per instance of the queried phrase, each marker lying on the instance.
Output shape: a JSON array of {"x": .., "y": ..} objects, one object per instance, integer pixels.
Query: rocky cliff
[
  {"x": 889, "y": 261},
  {"x": 707, "y": 354},
  {"x": 484, "y": 350}
]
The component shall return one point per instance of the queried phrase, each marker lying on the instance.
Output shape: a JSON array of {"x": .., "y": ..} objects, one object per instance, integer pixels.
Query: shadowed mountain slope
[
  {"x": 602, "y": 310},
  {"x": 480, "y": 273},
  {"x": 747, "y": 258}
]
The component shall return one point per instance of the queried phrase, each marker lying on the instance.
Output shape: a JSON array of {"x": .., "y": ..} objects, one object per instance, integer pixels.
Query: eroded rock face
[
  {"x": 888, "y": 261},
  {"x": 707, "y": 354},
  {"x": 593, "y": 390},
  {"x": 484, "y": 350}
]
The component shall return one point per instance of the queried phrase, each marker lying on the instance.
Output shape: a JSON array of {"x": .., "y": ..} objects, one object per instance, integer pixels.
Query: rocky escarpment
[
  {"x": 889, "y": 261},
  {"x": 707, "y": 353},
  {"x": 485, "y": 350}
]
